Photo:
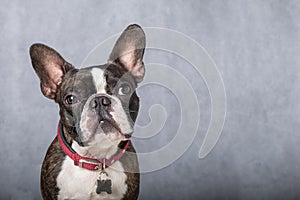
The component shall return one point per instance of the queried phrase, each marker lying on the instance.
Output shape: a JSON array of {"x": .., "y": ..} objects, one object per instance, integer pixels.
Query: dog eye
[
  {"x": 124, "y": 89},
  {"x": 70, "y": 99}
]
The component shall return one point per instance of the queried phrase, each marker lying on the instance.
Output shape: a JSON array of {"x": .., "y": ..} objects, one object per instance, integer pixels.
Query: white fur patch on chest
[{"x": 77, "y": 183}]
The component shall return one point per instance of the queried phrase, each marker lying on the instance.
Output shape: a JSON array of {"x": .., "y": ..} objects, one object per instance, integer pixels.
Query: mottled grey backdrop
[{"x": 255, "y": 45}]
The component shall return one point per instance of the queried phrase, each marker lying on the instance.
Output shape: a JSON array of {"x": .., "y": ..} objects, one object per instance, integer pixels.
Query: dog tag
[{"x": 103, "y": 183}]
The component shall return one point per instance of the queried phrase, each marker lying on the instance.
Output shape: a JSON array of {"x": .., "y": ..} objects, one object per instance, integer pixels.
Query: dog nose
[
  {"x": 104, "y": 101},
  {"x": 101, "y": 101}
]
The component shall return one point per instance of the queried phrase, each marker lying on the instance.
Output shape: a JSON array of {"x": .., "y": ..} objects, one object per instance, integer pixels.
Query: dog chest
[{"x": 77, "y": 183}]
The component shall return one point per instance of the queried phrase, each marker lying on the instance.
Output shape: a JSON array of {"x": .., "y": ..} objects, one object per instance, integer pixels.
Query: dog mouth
[{"x": 108, "y": 126}]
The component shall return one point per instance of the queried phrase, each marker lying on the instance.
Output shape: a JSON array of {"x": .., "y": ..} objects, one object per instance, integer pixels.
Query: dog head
[{"x": 97, "y": 102}]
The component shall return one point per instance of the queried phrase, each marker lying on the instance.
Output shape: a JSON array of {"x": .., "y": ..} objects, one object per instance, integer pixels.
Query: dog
[{"x": 92, "y": 156}]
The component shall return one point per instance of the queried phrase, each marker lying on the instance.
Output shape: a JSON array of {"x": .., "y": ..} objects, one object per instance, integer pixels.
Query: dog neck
[{"x": 102, "y": 146}]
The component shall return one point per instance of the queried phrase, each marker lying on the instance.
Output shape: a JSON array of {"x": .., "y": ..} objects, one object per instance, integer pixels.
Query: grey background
[{"x": 255, "y": 45}]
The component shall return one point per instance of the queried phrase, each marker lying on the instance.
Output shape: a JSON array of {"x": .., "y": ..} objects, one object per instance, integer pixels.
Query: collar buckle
[{"x": 98, "y": 165}]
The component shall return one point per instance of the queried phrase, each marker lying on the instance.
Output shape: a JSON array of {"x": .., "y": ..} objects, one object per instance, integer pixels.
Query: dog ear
[
  {"x": 49, "y": 66},
  {"x": 129, "y": 50}
]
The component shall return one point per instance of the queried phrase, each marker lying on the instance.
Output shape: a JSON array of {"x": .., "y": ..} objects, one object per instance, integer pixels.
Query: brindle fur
[{"x": 50, "y": 170}]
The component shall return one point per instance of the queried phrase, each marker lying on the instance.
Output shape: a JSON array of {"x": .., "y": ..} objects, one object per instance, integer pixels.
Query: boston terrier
[{"x": 92, "y": 156}]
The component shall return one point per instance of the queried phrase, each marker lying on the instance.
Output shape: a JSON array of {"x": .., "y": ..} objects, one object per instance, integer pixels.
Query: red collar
[{"x": 84, "y": 162}]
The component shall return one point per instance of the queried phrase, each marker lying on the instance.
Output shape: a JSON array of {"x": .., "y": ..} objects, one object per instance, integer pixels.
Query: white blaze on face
[
  {"x": 99, "y": 80},
  {"x": 89, "y": 119}
]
